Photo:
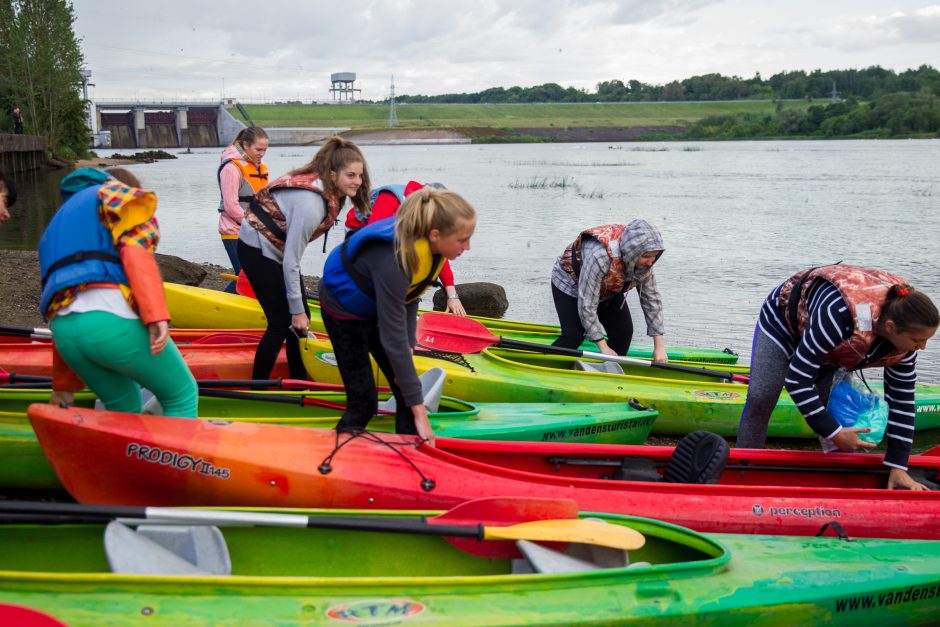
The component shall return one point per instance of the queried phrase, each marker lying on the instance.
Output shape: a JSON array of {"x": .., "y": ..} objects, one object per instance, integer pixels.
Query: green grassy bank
[{"x": 505, "y": 116}]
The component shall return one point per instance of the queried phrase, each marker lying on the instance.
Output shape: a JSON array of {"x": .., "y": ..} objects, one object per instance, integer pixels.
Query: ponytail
[
  {"x": 334, "y": 155},
  {"x": 909, "y": 308},
  {"x": 422, "y": 212}
]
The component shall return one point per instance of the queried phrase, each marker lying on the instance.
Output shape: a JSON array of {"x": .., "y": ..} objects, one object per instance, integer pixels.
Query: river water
[{"x": 736, "y": 217}]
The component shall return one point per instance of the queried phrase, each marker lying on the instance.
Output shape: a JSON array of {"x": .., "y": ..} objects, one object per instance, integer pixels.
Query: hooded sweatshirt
[
  {"x": 638, "y": 238},
  {"x": 231, "y": 179}
]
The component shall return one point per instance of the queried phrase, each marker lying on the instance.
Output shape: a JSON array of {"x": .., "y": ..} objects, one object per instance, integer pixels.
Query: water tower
[{"x": 344, "y": 86}]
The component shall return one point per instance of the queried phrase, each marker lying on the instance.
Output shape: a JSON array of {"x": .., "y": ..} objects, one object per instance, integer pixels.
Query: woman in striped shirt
[{"x": 839, "y": 316}]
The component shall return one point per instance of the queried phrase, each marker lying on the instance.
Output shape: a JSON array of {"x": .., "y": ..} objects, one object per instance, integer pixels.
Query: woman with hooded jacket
[{"x": 590, "y": 281}]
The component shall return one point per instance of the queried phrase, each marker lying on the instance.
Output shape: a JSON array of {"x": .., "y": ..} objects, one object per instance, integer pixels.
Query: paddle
[
  {"x": 38, "y": 333},
  {"x": 455, "y": 334},
  {"x": 283, "y": 384},
  {"x": 450, "y": 524}
]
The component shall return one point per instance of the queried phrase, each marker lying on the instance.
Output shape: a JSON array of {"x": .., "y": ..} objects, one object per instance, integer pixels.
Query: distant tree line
[
  {"x": 889, "y": 115},
  {"x": 40, "y": 72},
  {"x": 865, "y": 84}
]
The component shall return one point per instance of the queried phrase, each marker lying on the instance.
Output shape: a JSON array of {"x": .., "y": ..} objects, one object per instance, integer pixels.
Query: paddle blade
[
  {"x": 453, "y": 334},
  {"x": 579, "y": 531},
  {"x": 502, "y": 511}
]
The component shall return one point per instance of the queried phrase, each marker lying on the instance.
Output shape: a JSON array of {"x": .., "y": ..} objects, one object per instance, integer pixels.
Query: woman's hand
[
  {"x": 300, "y": 323},
  {"x": 899, "y": 480},
  {"x": 659, "y": 349},
  {"x": 603, "y": 347},
  {"x": 454, "y": 306},
  {"x": 61, "y": 398},
  {"x": 159, "y": 335},
  {"x": 422, "y": 424},
  {"x": 848, "y": 441}
]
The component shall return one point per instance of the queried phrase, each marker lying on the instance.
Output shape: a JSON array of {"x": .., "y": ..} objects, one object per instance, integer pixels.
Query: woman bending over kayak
[
  {"x": 590, "y": 281},
  {"x": 839, "y": 316},
  {"x": 102, "y": 291},
  {"x": 369, "y": 296},
  {"x": 281, "y": 220},
  {"x": 240, "y": 175}
]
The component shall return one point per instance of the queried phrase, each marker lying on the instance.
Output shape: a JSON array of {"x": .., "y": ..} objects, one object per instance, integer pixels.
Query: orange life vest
[
  {"x": 615, "y": 281},
  {"x": 864, "y": 291}
]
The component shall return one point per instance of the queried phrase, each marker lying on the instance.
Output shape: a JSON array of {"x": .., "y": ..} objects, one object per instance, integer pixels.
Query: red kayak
[
  {"x": 130, "y": 459},
  {"x": 215, "y": 355}
]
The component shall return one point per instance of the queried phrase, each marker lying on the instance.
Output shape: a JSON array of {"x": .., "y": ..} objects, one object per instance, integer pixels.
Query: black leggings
[
  {"x": 267, "y": 280},
  {"x": 612, "y": 313},
  {"x": 353, "y": 341}
]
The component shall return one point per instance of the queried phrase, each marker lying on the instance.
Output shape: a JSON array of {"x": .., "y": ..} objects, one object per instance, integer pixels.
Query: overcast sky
[{"x": 278, "y": 49}]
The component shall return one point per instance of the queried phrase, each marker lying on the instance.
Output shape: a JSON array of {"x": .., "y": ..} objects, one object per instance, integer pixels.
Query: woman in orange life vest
[
  {"x": 102, "y": 291},
  {"x": 240, "y": 175},
  {"x": 839, "y": 316},
  {"x": 292, "y": 211}
]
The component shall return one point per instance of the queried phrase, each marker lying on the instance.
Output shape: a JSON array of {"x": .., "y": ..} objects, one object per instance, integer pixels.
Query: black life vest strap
[
  {"x": 82, "y": 255},
  {"x": 426, "y": 282},
  {"x": 267, "y": 220},
  {"x": 793, "y": 305},
  {"x": 361, "y": 281}
]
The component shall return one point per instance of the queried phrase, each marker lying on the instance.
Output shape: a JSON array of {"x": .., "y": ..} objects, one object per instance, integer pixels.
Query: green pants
[{"x": 112, "y": 356}]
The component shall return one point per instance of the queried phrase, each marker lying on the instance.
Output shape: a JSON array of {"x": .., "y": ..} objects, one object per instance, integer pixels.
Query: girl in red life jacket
[
  {"x": 240, "y": 175},
  {"x": 839, "y": 316}
]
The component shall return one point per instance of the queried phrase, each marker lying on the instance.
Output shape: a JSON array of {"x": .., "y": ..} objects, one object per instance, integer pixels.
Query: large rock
[
  {"x": 479, "y": 299},
  {"x": 177, "y": 270}
]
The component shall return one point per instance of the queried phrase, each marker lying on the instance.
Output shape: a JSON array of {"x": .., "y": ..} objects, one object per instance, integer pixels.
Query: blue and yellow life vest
[
  {"x": 76, "y": 248},
  {"x": 354, "y": 291}
]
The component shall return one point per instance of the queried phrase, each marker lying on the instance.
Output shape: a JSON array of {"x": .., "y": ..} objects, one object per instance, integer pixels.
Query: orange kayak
[
  {"x": 214, "y": 355},
  {"x": 130, "y": 459}
]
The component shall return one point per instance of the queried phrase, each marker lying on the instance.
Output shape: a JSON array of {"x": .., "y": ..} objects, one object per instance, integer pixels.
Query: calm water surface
[{"x": 736, "y": 217}]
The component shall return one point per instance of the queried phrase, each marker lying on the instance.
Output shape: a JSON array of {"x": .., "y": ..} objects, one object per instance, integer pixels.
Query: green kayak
[
  {"x": 23, "y": 465},
  {"x": 268, "y": 575},
  {"x": 199, "y": 308},
  {"x": 685, "y": 402}
]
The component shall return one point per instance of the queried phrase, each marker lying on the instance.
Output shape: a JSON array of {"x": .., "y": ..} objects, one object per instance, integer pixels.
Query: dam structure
[{"x": 122, "y": 123}]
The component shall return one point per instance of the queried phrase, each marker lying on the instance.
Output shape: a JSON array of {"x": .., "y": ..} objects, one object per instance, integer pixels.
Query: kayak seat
[
  {"x": 699, "y": 457},
  {"x": 610, "y": 367},
  {"x": 166, "y": 550},
  {"x": 541, "y": 559},
  {"x": 432, "y": 385}
]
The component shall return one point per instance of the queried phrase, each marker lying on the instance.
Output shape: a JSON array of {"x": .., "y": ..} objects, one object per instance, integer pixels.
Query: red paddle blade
[
  {"x": 502, "y": 511},
  {"x": 453, "y": 334}
]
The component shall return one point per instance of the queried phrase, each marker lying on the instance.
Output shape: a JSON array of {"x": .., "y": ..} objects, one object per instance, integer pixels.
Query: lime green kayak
[
  {"x": 199, "y": 308},
  {"x": 268, "y": 575},
  {"x": 685, "y": 402},
  {"x": 23, "y": 465}
]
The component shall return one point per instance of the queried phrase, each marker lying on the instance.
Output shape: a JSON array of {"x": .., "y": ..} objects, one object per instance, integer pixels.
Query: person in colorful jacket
[
  {"x": 240, "y": 175},
  {"x": 590, "y": 281},
  {"x": 386, "y": 200},
  {"x": 281, "y": 220},
  {"x": 839, "y": 316},
  {"x": 102, "y": 291},
  {"x": 369, "y": 297}
]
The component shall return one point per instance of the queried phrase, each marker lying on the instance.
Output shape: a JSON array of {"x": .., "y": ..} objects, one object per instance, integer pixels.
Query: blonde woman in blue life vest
[{"x": 369, "y": 296}]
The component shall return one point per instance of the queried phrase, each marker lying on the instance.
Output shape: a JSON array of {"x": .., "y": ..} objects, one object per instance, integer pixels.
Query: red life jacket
[
  {"x": 615, "y": 281},
  {"x": 864, "y": 291},
  {"x": 266, "y": 217}
]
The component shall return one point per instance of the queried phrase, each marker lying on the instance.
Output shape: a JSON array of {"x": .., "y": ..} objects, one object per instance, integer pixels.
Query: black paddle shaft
[{"x": 574, "y": 352}]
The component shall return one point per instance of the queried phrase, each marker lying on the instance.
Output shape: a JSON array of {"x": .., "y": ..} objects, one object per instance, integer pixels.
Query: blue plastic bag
[{"x": 854, "y": 406}]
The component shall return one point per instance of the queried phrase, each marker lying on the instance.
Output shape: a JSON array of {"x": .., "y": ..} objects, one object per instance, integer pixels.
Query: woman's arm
[{"x": 230, "y": 180}]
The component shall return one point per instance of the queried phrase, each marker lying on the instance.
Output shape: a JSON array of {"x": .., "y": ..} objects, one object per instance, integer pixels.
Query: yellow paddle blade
[
  {"x": 228, "y": 275},
  {"x": 570, "y": 530}
]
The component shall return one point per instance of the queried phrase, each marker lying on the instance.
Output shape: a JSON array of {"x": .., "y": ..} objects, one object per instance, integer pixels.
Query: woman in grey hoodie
[{"x": 590, "y": 281}]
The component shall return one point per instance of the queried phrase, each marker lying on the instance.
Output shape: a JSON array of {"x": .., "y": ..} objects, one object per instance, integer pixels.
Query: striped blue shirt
[{"x": 830, "y": 323}]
